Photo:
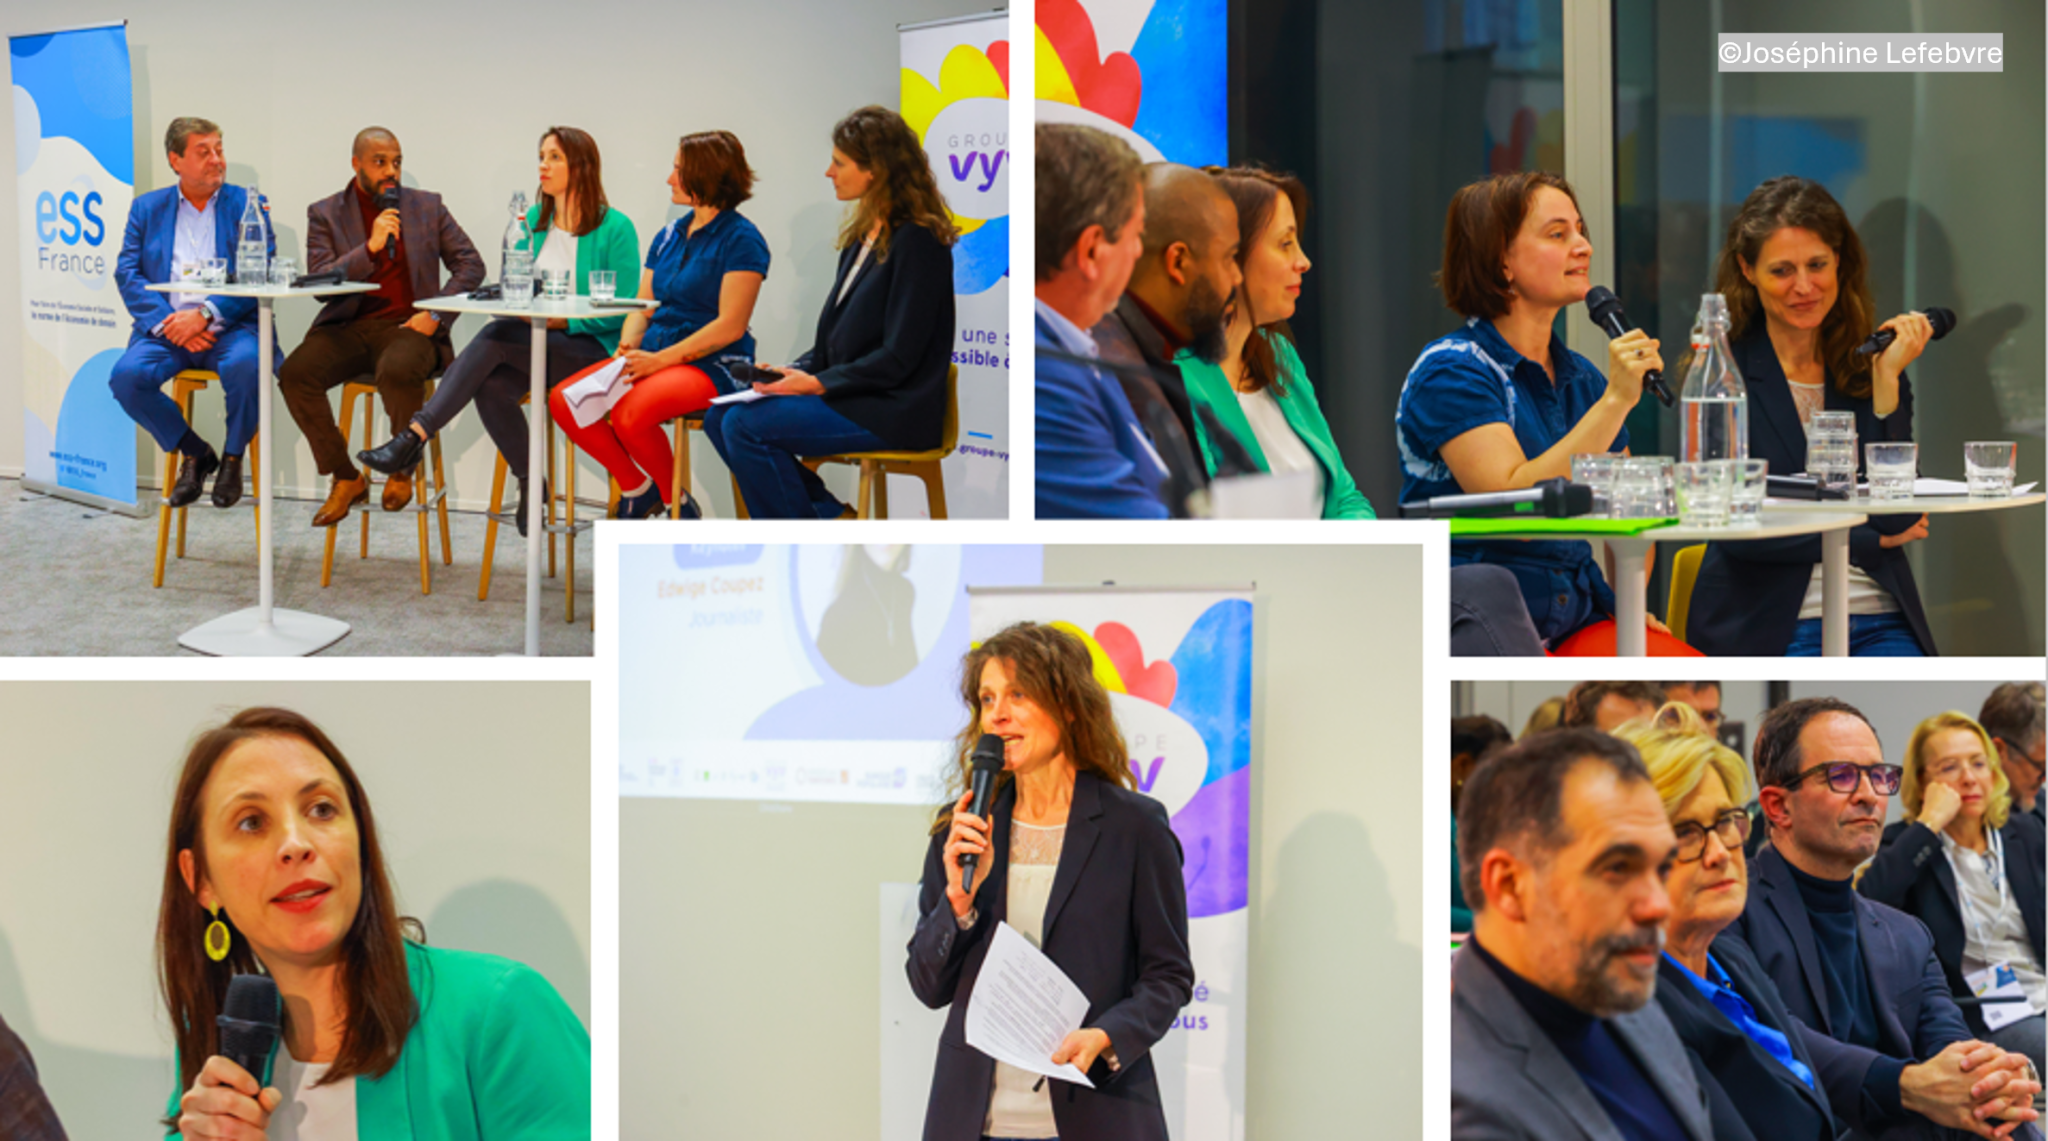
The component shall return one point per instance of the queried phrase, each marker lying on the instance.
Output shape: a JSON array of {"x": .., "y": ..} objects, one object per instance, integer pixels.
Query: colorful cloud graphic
[{"x": 982, "y": 256}]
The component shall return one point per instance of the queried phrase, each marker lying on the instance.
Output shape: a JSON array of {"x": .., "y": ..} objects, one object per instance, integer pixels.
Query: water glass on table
[
  {"x": 1891, "y": 467},
  {"x": 282, "y": 271},
  {"x": 1596, "y": 471},
  {"x": 1989, "y": 466},
  {"x": 1642, "y": 487},
  {"x": 1704, "y": 492},
  {"x": 213, "y": 271},
  {"x": 1748, "y": 480},
  {"x": 603, "y": 284},
  {"x": 517, "y": 283},
  {"x": 1831, "y": 449},
  {"x": 554, "y": 284}
]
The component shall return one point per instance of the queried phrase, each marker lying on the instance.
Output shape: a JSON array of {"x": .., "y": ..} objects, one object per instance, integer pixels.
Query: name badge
[{"x": 1998, "y": 982}]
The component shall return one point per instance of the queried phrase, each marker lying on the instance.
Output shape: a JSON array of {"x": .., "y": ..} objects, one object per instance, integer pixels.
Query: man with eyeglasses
[
  {"x": 2013, "y": 716},
  {"x": 1892, "y": 1047}
]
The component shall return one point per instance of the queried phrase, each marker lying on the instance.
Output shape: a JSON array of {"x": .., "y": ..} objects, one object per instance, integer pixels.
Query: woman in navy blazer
[
  {"x": 1959, "y": 807},
  {"x": 875, "y": 377},
  {"x": 1795, "y": 276},
  {"x": 1080, "y": 864}
]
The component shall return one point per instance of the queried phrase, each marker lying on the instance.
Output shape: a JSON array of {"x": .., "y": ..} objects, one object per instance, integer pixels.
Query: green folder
[{"x": 1536, "y": 525}]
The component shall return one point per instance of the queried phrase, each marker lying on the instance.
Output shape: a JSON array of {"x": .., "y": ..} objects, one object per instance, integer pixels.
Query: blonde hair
[
  {"x": 1544, "y": 718},
  {"x": 1678, "y": 749},
  {"x": 1996, "y": 806}
]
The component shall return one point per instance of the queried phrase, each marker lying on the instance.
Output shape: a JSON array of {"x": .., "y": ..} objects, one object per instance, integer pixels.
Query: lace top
[
  {"x": 1014, "y": 1108},
  {"x": 1809, "y": 398}
]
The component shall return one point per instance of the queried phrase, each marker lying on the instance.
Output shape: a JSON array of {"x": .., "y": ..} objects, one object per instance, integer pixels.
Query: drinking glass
[
  {"x": 282, "y": 271},
  {"x": 554, "y": 284},
  {"x": 1831, "y": 449},
  {"x": 1642, "y": 487},
  {"x": 1891, "y": 467},
  {"x": 214, "y": 271},
  {"x": 603, "y": 284},
  {"x": 1989, "y": 466},
  {"x": 1596, "y": 471},
  {"x": 1747, "y": 482},
  {"x": 1703, "y": 489}
]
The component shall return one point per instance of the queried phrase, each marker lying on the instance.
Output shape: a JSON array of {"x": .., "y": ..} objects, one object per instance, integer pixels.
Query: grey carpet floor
[{"x": 74, "y": 580}]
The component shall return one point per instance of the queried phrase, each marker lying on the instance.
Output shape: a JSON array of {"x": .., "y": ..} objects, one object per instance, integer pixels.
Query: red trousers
[{"x": 630, "y": 442}]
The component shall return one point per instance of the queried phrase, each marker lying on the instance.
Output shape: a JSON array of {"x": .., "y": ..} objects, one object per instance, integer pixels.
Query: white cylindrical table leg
[
  {"x": 1834, "y": 593},
  {"x": 1631, "y": 583},
  {"x": 265, "y": 589},
  {"x": 536, "y": 470}
]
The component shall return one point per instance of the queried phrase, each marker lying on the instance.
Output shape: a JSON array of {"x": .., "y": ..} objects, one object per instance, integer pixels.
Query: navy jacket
[
  {"x": 1750, "y": 1094},
  {"x": 1092, "y": 456},
  {"x": 882, "y": 355},
  {"x": 145, "y": 257},
  {"x": 1746, "y": 598},
  {"x": 1911, "y": 874},
  {"x": 1116, "y": 924}
]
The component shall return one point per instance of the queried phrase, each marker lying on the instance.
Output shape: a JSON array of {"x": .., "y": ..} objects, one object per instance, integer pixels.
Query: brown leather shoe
[
  {"x": 345, "y": 494},
  {"x": 397, "y": 491}
]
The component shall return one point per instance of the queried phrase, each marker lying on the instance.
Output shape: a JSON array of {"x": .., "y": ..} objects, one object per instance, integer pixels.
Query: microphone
[
  {"x": 1605, "y": 309},
  {"x": 1942, "y": 319},
  {"x": 248, "y": 1022},
  {"x": 1550, "y": 498},
  {"x": 988, "y": 761},
  {"x": 387, "y": 199}
]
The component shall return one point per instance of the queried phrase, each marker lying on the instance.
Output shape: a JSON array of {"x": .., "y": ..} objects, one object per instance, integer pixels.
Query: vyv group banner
[
  {"x": 74, "y": 164},
  {"x": 956, "y": 96},
  {"x": 1155, "y": 73}
]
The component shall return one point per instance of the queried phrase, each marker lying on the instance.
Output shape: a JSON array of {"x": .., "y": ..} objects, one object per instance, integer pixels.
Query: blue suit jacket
[
  {"x": 1092, "y": 460},
  {"x": 1750, "y": 1095},
  {"x": 146, "y": 256}
]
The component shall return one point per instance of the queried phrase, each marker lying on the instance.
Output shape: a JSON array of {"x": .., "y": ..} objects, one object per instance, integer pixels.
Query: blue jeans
[
  {"x": 761, "y": 441},
  {"x": 138, "y": 383},
  {"x": 1870, "y": 636}
]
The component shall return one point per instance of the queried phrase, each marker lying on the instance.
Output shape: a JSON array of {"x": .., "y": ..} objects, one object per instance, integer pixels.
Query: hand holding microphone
[
  {"x": 1632, "y": 354},
  {"x": 970, "y": 835},
  {"x": 226, "y": 1102},
  {"x": 385, "y": 228},
  {"x": 1902, "y": 339}
]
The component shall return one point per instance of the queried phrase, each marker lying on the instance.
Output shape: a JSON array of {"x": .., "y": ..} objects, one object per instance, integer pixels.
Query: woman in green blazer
[
  {"x": 1259, "y": 390},
  {"x": 573, "y": 225},
  {"x": 275, "y": 868}
]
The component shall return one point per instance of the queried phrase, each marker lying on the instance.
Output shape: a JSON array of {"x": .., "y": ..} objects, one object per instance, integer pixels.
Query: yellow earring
[{"x": 217, "y": 937}]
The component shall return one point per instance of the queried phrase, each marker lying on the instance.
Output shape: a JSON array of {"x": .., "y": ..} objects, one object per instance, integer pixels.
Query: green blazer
[
  {"x": 496, "y": 1055},
  {"x": 614, "y": 245},
  {"x": 1207, "y": 385}
]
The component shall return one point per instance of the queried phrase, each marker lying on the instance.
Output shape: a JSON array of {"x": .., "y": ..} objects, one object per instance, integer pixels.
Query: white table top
[
  {"x": 572, "y": 308},
  {"x": 261, "y": 290},
  {"x": 1770, "y": 525},
  {"x": 1916, "y": 505}
]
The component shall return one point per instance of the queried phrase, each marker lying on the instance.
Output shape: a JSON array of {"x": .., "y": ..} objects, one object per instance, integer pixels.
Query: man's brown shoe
[
  {"x": 345, "y": 494},
  {"x": 397, "y": 491}
]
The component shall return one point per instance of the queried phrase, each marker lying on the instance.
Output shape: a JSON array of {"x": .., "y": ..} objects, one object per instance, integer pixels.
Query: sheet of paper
[
  {"x": 1287, "y": 495},
  {"x": 1023, "y": 1007},
  {"x": 593, "y": 396},
  {"x": 743, "y": 396}
]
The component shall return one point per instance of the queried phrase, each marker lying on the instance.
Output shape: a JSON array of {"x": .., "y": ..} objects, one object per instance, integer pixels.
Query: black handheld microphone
[
  {"x": 1549, "y": 498},
  {"x": 988, "y": 761},
  {"x": 387, "y": 199},
  {"x": 248, "y": 1022},
  {"x": 1605, "y": 309},
  {"x": 1942, "y": 319}
]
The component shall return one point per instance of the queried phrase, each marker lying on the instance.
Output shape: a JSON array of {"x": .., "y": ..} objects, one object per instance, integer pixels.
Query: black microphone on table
[
  {"x": 1550, "y": 499},
  {"x": 1605, "y": 309},
  {"x": 248, "y": 1022},
  {"x": 387, "y": 199},
  {"x": 988, "y": 761},
  {"x": 1942, "y": 319}
]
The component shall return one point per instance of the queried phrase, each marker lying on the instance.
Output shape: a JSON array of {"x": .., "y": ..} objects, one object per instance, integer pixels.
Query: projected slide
[{"x": 821, "y": 672}]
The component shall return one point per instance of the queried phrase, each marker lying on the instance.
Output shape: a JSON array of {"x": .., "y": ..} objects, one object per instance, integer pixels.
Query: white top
[
  {"x": 1284, "y": 449},
  {"x": 559, "y": 252},
  {"x": 1993, "y": 930},
  {"x": 1865, "y": 596},
  {"x": 1014, "y": 1108},
  {"x": 859, "y": 259},
  {"x": 192, "y": 242},
  {"x": 308, "y": 1114}
]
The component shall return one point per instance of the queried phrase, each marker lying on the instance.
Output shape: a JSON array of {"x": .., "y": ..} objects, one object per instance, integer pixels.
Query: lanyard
[{"x": 1996, "y": 845}]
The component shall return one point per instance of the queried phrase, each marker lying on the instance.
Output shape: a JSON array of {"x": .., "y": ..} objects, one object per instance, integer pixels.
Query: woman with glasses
[
  {"x": 1971, "y": 869},
  {"x": 1750, "y": 1053}
]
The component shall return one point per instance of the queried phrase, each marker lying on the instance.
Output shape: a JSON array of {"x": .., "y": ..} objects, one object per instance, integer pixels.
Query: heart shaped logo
[
  {"x": 1155, "y": 683},
  {"x": 1109, "y": 87}
]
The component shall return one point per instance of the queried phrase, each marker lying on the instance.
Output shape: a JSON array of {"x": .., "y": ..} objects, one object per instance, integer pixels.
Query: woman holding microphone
[
  {"x": 1795, "y": 276},
  {"x": 1077, "y": 862},
  {"x": 274, "y": 868},
  {"x": 1501, "y": 403}
]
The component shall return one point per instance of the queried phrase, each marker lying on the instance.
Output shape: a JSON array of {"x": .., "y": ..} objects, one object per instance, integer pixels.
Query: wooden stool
[
  {"x": 183, "y": 386},
  {"x": 679, "y": 480},
  {"x": 873, "y": 501},
  {"x": 422, "y": 502},
  {"x": 570, "y": 526}
]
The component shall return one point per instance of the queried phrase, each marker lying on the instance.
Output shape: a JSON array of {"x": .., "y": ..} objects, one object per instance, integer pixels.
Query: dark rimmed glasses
[
  {"x": 1731, "y": 828},
  {"x": 1844, "y": 776}
]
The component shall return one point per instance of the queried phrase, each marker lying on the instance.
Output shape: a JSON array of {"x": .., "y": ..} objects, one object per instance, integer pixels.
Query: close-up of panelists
[
  {"x": 294, "y": 962},
  {"x": 811, "y": 288},
  {"x": 1748, "y": 909},
  {"x": 1238, "y": 315}
]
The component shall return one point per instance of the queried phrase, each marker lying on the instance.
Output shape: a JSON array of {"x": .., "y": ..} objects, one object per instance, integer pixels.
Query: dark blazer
[
  {"x": 25, "y": 1112},
  {"x": 1127, "y": 336},
  {"x": 335, "y": 239},
  {"x": 148, "y": 242},
  {"x": 1116, "y": 923},
  {"x": 882, "y": 355},
  {"x": 1911, "y": 874},
  {"x": 1915, "y": 1016},
  {"x": 1746, "y": 598},
  {"x": 1750, "y": 1094}
]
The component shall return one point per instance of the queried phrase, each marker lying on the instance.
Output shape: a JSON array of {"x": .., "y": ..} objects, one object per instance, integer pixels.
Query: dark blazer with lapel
[
  {"x": 1116, "y": 923},
  {"x": 1750, "y": 1094},
  {"x": 883, "y": 353},
  {"x": 147, "y": 244},
  {"x": 1746, "y": 598},
  {"x": 1915, "y": 1016},
  {"x": 1911, "y": 874},
  {"x": 1509, "y": 1081},
  {"x": 335, "y": 239}
]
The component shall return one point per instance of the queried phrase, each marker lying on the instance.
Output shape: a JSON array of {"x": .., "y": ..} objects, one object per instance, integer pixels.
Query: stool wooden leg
[
  {"x": 483, "y": 582},
  {"x": 569, "y": 542},
  {"x": 163, "y": 516},
  {"x": 864, "y": 499},
  {"x": 881, "y": 489},
  {"x": 369, "y": 433},
  {"x": 677, "y": 480},
  {"x": 441, "y": 504},
  {"x": 934, "y": 489}
]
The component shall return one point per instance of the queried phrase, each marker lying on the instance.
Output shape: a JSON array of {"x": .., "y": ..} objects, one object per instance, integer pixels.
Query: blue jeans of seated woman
[
  {"x": 1870, "y": 636},
  {"x": 760, "y": 443}
]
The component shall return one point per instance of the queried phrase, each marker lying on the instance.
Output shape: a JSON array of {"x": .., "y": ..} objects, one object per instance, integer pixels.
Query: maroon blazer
[{"x": 335, "y": 240}]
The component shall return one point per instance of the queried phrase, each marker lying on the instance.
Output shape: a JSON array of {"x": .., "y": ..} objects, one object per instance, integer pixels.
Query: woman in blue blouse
[
  {"x": 1502, "y": 403},
  {"x": 706, "y": 269}
]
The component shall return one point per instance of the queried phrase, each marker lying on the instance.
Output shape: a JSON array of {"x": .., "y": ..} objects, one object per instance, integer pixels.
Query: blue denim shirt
[
  {"x": 689, "y": 273},
  {"x": 1473, "y": 377},
  {"x": 1743, "y": 1015}
]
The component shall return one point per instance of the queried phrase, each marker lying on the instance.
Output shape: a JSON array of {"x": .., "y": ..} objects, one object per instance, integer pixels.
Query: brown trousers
[{"x": 398, "y": 359}]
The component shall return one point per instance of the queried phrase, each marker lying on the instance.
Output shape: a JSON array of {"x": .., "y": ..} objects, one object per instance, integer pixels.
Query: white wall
[
  {"x": 482, "y": 795},
  {"x": 468, "y": 91},
  {"x": 752, "y": 973}
]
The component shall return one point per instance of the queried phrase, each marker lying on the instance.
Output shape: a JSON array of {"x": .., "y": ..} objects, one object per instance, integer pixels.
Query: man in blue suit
[
  {"x": 1093, "y": 458},
  {"x": 1889, "y": 1043},
  {"x": 168, "y": 229}
]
